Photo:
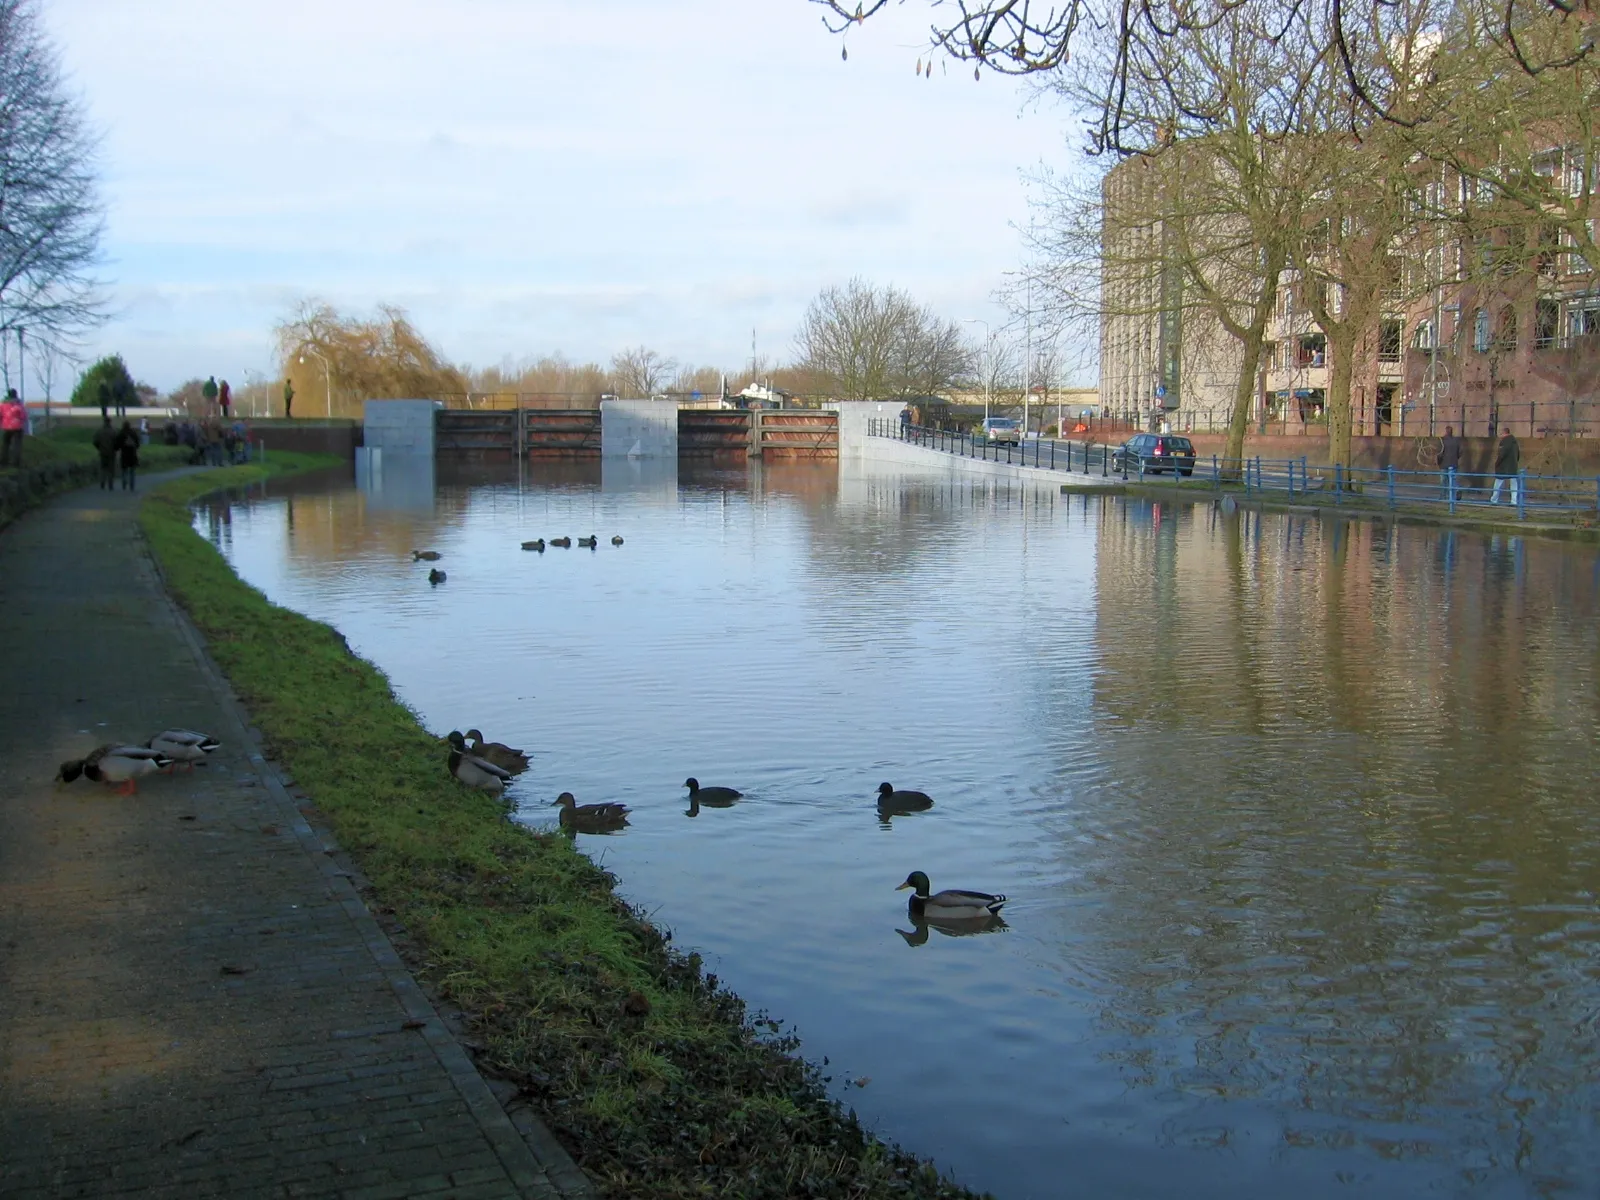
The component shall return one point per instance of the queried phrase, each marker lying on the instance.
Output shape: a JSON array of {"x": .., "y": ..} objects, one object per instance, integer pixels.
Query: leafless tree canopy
[
  {"x": 1129, "y": 39},
  {"x": 49, "y": 209},
  {"x": 873, "y": 343},
  {"x": 641, "y": 373}
]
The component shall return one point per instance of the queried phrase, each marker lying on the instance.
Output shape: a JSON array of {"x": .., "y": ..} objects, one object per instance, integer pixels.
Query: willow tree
[
  {"x": 361, "y": 358},
  {"x": 867, "y": 342}
]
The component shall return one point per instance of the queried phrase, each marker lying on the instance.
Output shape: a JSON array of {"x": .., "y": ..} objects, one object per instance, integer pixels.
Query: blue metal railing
[{"x": 1529, "y": 494}]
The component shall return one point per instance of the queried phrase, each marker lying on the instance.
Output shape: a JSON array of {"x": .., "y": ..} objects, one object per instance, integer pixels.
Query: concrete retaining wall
[
  {"x": 854, "y": 416},
  {"x": 307, "y": 437},
  {"x": 638, "y": 429},
  {"x": 888, "y": 450}
]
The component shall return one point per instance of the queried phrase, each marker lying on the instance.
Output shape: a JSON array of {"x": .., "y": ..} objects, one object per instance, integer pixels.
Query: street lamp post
[
  {"x": 327, "y": 372},
  {"x": 988, "y": 364}
]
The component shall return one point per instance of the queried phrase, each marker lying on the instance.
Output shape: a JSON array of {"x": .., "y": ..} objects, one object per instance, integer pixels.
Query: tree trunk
[
  {"x": 1243, "y": 393},
  {"x": 1341, "y": 367}
]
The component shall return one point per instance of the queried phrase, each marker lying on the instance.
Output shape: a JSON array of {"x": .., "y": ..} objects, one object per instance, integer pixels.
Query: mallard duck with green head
[
  {"x": 477, "y": 772},
  {"x": 954, "y": 904},
  {"x": 113, "y": 764},
  {"x": 184, "y": 745}
]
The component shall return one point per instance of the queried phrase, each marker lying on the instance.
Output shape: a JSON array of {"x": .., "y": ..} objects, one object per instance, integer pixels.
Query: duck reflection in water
[{"x": 917, "y": 935}]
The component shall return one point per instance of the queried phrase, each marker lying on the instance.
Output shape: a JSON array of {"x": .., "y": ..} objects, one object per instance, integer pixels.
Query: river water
[{"x": 1298, "y": 818}]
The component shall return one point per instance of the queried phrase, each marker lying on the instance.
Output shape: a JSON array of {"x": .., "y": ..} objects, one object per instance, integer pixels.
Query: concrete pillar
[
  {"x": 638, "y": 429},
  {"x": 399, "y": 427},
  {"x": 854, "y": 416}
]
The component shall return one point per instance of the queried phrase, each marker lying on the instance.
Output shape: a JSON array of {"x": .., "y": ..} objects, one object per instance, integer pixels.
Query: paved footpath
[{"x": 193, "y": 999}]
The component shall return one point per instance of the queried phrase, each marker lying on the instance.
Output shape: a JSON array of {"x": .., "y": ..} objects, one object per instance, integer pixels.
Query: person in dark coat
[
  {"x": 105, "y": 444},
  {"x": 1450, "y": 450},
  {"x": 1507, "y": 462},
  {"x": 128, "y": 446}
]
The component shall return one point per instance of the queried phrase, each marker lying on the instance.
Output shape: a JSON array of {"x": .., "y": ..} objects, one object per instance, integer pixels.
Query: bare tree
[
  {"x": 1015, "y": 37},
  {"x": 50, "y": 219},
  {"x": 870, "y": 343},
  {"x": 641, "y": 372}
]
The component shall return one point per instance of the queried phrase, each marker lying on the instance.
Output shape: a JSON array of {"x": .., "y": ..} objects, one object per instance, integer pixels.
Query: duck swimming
[
  {"x": 120, "y": 765},
  {"x": 589, "y": 542},
  {"x": 437, "y": 576},
  {"x": 563, "y": 542},
  {"x": 616, "y": 540},
  {"x": 710, "y": 795},
  {"x": 895, "y": 802},
  {"x": 954, "y": 904},
  {"x": 592, "y": 818},
  {"x": 536, "y": 544},
  {"x": 425, "y": 556},
  {"x": 183, "y": 745}
]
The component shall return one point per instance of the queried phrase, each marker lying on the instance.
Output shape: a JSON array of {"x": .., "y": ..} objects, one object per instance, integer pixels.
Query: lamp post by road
[
  {"x": 327, "y": 373},
  {"x": 988, "y": 364}
]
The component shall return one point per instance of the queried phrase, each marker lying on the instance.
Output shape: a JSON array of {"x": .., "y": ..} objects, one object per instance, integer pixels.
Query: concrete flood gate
[{"x": 617, "y": 429}]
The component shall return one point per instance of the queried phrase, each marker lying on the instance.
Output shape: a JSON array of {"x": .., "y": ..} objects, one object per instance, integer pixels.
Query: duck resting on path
[
  {"x": 183, "y": 745},
  {"x": 953, "y": 904},
  {"x": 113, "y": 764}
]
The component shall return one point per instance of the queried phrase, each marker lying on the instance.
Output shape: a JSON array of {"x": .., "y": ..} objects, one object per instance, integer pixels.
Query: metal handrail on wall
[{"x": 1528, "y": 493}]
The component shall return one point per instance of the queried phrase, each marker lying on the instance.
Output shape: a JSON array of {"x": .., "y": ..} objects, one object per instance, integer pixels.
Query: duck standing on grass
[
  {"x": 113, "y": 764},
  {"x": 953, "y": 904},
  {"x": 590, "y": 818},
  {"x": 184, "y": 745},
  {"x": 476, "y": 772},
  {"x": 505, "y": 757}
]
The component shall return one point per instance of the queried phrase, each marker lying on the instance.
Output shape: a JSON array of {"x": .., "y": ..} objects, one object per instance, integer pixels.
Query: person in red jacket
[{"x": 13, "y": 422}]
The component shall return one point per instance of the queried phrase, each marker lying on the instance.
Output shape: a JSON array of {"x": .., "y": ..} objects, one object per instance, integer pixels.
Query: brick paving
[{"x": 194, "y": 1000}]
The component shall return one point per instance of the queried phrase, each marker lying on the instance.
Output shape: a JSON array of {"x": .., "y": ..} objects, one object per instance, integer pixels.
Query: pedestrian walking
[
  {"x": 128, "y": 448},
  {"x": 209, "y": 390},
  {"x": 1450, "y": 450},
  {"x": 224, "y": 398},
  {"x": 105, "y": 444},
  {"x": 288, "y": 399},
  {"x": 1507, "y": 462},
  {"x": 13, "y": 425}
]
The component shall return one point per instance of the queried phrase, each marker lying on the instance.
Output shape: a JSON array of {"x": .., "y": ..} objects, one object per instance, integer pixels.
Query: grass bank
[
  {"x": 651, "y": 1073},
  {"x": 64, "y": 459}
]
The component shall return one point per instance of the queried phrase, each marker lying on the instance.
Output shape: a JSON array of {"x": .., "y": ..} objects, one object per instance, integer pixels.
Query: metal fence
[{"x": 1564, "y": 497}]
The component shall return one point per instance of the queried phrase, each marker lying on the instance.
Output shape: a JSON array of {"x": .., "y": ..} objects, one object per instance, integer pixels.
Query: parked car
[
  {"x": 1002, "y": 429},
  {"x": 1154, "y": 452}
]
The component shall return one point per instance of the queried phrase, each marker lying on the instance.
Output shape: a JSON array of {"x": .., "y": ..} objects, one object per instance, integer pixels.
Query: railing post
[
  {"x": 1450, "y": 487},
  {"x": 1291, "y": 479},
  {"x": 1391, "y": 484},
  {"x": 1338, "y": 483},
  {"x": 1216, "y": 472},
  {"x": 1522, "y": 494},
  {"x": 1053, "y": 457}
]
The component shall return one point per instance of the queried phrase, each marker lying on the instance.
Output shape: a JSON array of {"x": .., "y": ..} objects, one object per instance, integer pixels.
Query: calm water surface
[{"x": 1298, "y": 818}]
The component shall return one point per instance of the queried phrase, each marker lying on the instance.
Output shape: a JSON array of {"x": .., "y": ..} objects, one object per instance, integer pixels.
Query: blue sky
[{"x": 526, "y": 177}]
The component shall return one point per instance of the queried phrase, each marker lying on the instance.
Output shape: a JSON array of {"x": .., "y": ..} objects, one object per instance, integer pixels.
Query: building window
[
  {"x": 1546, "y": 321},
  {"x": 1313, "y": 350},
  {"x": 1480, "y": 331},
  {"x": 1390, "y": 338},
  {"x": 1583, "y": 316},
  {"x": 1505, "y": 329},
  {"x": 1425, "y": 339}
]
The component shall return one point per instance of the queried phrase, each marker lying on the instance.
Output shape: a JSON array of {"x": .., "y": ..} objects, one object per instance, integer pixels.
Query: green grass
[
  {"x": 62, "y": 460},
  {"x": 649, "y": 1071}
]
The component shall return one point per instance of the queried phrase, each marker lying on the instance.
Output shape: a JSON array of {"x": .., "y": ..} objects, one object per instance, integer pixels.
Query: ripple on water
[{"x": 1296, "y": 815}]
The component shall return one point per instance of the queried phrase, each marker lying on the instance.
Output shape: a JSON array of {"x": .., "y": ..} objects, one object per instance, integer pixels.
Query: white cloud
[{"x": 525, "y": 174}]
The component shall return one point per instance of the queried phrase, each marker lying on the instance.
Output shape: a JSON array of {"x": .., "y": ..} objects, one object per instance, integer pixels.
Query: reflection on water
[{"x": 1297, "y": 817}]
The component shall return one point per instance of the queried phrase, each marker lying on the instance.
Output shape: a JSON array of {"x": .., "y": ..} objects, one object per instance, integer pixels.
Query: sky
[{"x": 527, "y": 177}]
